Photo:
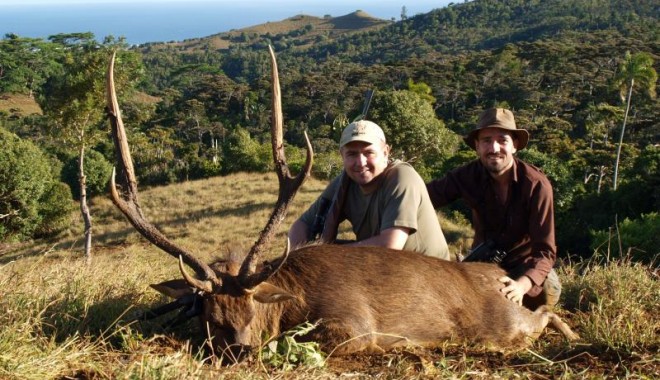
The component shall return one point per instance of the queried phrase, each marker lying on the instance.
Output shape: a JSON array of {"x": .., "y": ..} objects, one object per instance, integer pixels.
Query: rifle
[
  {"x": 365, "y": 108},
  {"x": 486, "y": 252}
]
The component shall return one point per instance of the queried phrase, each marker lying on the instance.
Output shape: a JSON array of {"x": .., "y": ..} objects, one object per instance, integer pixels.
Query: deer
[{"x": 361, "y": 299}]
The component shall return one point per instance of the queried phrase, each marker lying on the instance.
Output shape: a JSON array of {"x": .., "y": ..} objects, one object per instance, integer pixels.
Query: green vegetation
[
  {"x": 560, "y": 65},
  {"x": 286, "y": 353},
  {"x": 33, "y": 201},
  {"x": 638, "y": 238},
  {"x": 200, "y": 110}
]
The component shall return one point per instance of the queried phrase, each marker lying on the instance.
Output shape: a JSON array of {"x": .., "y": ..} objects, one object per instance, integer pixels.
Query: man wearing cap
[
  {"x": 385, "y": 202},
  {"x": 512, "y": 207}
]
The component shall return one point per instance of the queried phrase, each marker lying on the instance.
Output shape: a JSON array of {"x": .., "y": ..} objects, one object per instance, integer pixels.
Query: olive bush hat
[
  {"x": 498, "y": 118},
  {"x": 363, "y": 130}
]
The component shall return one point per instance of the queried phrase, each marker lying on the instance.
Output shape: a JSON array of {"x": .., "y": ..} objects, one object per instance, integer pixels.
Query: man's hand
[{"x": 515, "y": 289}]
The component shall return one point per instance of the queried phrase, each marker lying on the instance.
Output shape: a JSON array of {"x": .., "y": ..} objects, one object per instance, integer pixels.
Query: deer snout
[{"x": 233, "y": 346}]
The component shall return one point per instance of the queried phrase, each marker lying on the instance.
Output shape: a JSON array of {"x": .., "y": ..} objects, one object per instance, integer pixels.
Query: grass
[
  {"x": 18, "y": 105},
  {"x": 601, "y": 294},
  {"x": 60, "y": 318}
]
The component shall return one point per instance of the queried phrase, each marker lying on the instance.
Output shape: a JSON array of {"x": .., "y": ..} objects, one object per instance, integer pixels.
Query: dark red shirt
[{"x": 524, "y": 226}]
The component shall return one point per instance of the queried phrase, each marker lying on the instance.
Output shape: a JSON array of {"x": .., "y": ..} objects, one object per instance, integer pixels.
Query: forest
[{"x": 579, "y": 75}]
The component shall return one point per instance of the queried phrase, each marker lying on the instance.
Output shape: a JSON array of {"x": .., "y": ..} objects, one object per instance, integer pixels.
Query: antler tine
[
  {"x": 128, "y": 201},
  {"x": 288, "y": 186}
]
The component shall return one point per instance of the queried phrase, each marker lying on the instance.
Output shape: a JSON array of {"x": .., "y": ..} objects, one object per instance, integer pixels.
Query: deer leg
[
  {"x": 562, "y": 327},
  {"x": 542, "y": 316},
  {"x": 340, "y": 339}
]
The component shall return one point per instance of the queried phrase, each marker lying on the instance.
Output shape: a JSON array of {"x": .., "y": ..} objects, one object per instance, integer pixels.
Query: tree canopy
[{"x": 194, "y": 110}]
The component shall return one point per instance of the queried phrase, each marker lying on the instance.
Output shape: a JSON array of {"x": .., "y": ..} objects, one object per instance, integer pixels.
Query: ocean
[{"x": 145, "y": 21}]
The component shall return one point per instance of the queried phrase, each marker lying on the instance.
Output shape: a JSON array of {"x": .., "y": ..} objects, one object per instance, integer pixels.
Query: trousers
[{"x": 549, "y": 295}]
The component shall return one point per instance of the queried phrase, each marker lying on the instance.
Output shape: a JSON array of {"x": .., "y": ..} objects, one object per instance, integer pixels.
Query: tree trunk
[
  {"x": 601, "y": 175},
  {"x": 84, "y": 209},
  {"x": 623, "y": 130}
]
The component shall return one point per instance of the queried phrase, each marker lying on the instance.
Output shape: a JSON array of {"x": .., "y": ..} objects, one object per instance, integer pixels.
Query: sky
[
  {"x": 411, "y": 3},
  {"x": 143, "y": 21}
]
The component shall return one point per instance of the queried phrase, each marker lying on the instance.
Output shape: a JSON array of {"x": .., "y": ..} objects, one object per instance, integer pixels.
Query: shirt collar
[{"x": 514, "y": 177}]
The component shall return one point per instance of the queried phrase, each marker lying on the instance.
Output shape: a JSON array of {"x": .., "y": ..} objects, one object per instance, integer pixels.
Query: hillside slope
[
  {"x": 18, "y": 105},
  {"x": 297, "y": 31}
]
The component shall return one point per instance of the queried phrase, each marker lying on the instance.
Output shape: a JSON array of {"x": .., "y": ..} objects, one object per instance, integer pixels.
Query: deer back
[{"x": 399, "y": 298}]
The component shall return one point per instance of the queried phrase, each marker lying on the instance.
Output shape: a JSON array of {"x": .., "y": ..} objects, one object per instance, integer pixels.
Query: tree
[
  {"x": 25, "y": 64},
  {"x": 75, "y": 102},
  {"x": 638, "y": 68},
  {"x": 242, "y": 153},
  {"x": 413, "y": 130},
  {"x": 597, "y": 154},
  {"x": 422, "y": 89}
]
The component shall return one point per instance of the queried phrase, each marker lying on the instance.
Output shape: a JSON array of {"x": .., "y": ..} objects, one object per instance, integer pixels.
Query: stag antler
[
  {"x": 288, "y": 187},
  {"x": 128, "y": 201}
]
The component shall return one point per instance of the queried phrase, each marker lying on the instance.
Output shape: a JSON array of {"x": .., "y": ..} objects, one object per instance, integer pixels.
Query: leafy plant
[
  {"x": 286, "y": 353},
  {"x": 639, "y": 238}
]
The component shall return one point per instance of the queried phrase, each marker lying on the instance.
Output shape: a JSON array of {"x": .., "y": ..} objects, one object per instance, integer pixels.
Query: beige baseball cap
[{"x": 362, "y": 130}]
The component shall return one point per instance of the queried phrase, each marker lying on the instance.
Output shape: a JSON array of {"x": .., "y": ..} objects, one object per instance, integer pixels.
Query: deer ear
[
  {"x": 173, "y": 288},
  {"x": 267, "y": 293}
]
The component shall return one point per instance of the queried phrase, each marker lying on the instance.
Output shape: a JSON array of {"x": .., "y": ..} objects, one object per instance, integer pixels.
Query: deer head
[{"x": 228, "y": 293}]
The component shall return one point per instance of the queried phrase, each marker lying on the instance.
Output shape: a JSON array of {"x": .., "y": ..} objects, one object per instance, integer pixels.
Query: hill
[
  {"x": 18, "y": 105},
  {"x": 299, "y": 31},
  {"x": 491, "y": 24}
]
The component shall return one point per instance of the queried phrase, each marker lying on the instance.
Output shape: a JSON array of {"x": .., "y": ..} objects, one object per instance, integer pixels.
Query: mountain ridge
[{"x": 300, "y": 30}]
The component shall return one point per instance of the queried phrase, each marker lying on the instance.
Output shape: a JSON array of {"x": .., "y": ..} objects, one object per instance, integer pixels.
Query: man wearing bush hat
[
  {"x": 385, "y": 201},
  {"x": 512, "y": 208}
]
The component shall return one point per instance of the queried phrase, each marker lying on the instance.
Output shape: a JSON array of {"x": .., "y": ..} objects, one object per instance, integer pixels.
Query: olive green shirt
[{"x": 400, "y": 200}]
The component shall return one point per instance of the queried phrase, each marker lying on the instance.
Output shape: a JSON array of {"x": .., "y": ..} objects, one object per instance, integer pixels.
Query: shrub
[
  {"x": 639, "y": 238},
  {"x": 242, "y": 153},
  {"x": 327, "y": 165},
  {"x": 97, "y": 173},
  {"x": 201, "y": 167},
  {"x": 26, "y": 184},
  {"x": 55, "y": 208}
]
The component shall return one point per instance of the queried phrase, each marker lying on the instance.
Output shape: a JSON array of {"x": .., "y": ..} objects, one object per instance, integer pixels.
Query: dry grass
[
  {"x": 62, "y": 319},
  {"x": 19, "y": 105},
  {"x": 206, "y": 216}
]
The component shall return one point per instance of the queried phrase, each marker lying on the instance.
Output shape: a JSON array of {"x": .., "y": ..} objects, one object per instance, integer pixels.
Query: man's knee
[
  {"x": 549, "y": 295},
  {"x": 552, "y": 288}
]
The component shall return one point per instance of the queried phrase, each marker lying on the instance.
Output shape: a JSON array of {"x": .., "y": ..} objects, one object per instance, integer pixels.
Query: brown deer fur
[{"x": 372, "y": 298}]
